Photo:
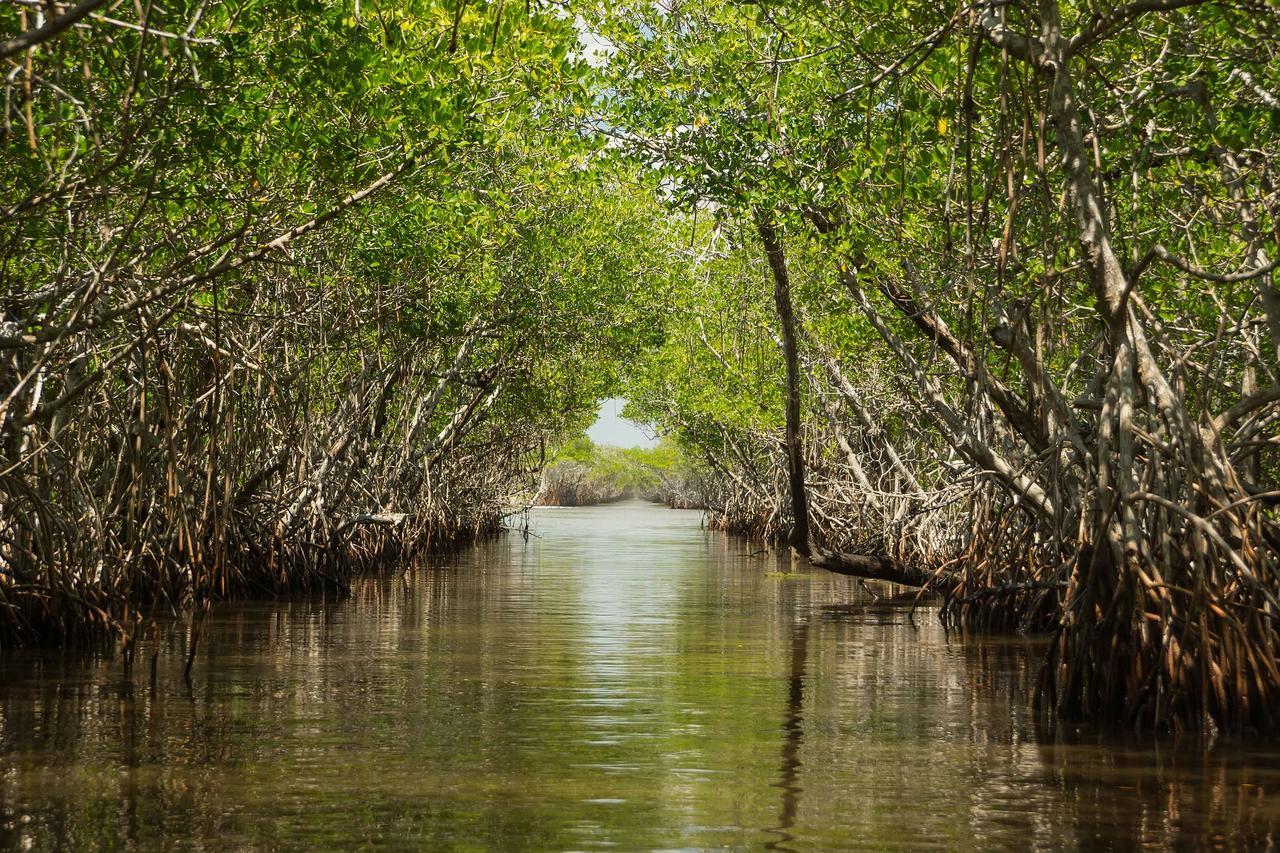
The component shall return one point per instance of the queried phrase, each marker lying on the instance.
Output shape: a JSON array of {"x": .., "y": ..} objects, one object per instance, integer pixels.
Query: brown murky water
[{"x": 622, "y": 679}]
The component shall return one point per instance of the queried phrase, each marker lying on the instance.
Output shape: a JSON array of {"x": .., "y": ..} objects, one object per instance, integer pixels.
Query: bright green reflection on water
[{"x": 621, "y": 679}]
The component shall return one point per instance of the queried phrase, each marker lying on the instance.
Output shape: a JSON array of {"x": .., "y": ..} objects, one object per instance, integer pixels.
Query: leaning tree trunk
[
  {"x": 872, "y": 566},
  {"x": 786, "y": 317}
]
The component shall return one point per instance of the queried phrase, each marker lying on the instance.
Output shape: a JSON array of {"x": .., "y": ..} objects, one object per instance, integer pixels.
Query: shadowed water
[{"x": 621, "y": 679}]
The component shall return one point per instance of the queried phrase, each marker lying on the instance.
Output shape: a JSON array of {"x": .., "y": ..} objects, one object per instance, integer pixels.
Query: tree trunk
[{"x": 786, "y": 316}]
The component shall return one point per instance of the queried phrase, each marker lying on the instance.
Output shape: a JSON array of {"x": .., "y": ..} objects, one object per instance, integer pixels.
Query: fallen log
[{"x": 882, "y": 568}]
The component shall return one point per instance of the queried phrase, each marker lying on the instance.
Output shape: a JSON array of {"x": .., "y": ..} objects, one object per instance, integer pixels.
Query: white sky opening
[{"x": 613, "y": 429}]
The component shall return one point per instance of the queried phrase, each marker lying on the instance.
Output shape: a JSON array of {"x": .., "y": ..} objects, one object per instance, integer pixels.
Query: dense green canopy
[{"x": 293, "y": 287}]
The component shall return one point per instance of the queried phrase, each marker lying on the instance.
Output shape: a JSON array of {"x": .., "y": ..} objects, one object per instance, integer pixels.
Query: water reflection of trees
[
  {"x": 282, "y": 693},
  {"x": 792, "y": 737},
  {"x": 766, "y": 710},
  {"x": 1129, "y": 795},
  {"x": 990, "y": 773},
  {"x": 91, "y": 761},
  {"x": 1128, "y": 792}
]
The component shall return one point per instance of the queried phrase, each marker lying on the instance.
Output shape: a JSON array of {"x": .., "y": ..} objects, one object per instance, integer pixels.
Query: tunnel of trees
[{"x": 976, "y": 298}]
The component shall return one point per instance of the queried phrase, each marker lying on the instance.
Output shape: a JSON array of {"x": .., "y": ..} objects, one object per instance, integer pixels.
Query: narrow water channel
[{"x": 619, "y": 679}]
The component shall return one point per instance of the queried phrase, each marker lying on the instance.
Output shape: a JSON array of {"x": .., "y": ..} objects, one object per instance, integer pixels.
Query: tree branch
[
  {"x": 1101, "y": 26},
  {"x": 31, "y": 38}
]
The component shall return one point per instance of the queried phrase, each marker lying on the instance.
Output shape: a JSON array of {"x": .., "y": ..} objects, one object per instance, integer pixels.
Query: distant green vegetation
[{"x": 583, "y": 473}]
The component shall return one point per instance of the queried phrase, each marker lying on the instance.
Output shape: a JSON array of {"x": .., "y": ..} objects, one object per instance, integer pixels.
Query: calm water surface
[{"x": 622, "y": 679}]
